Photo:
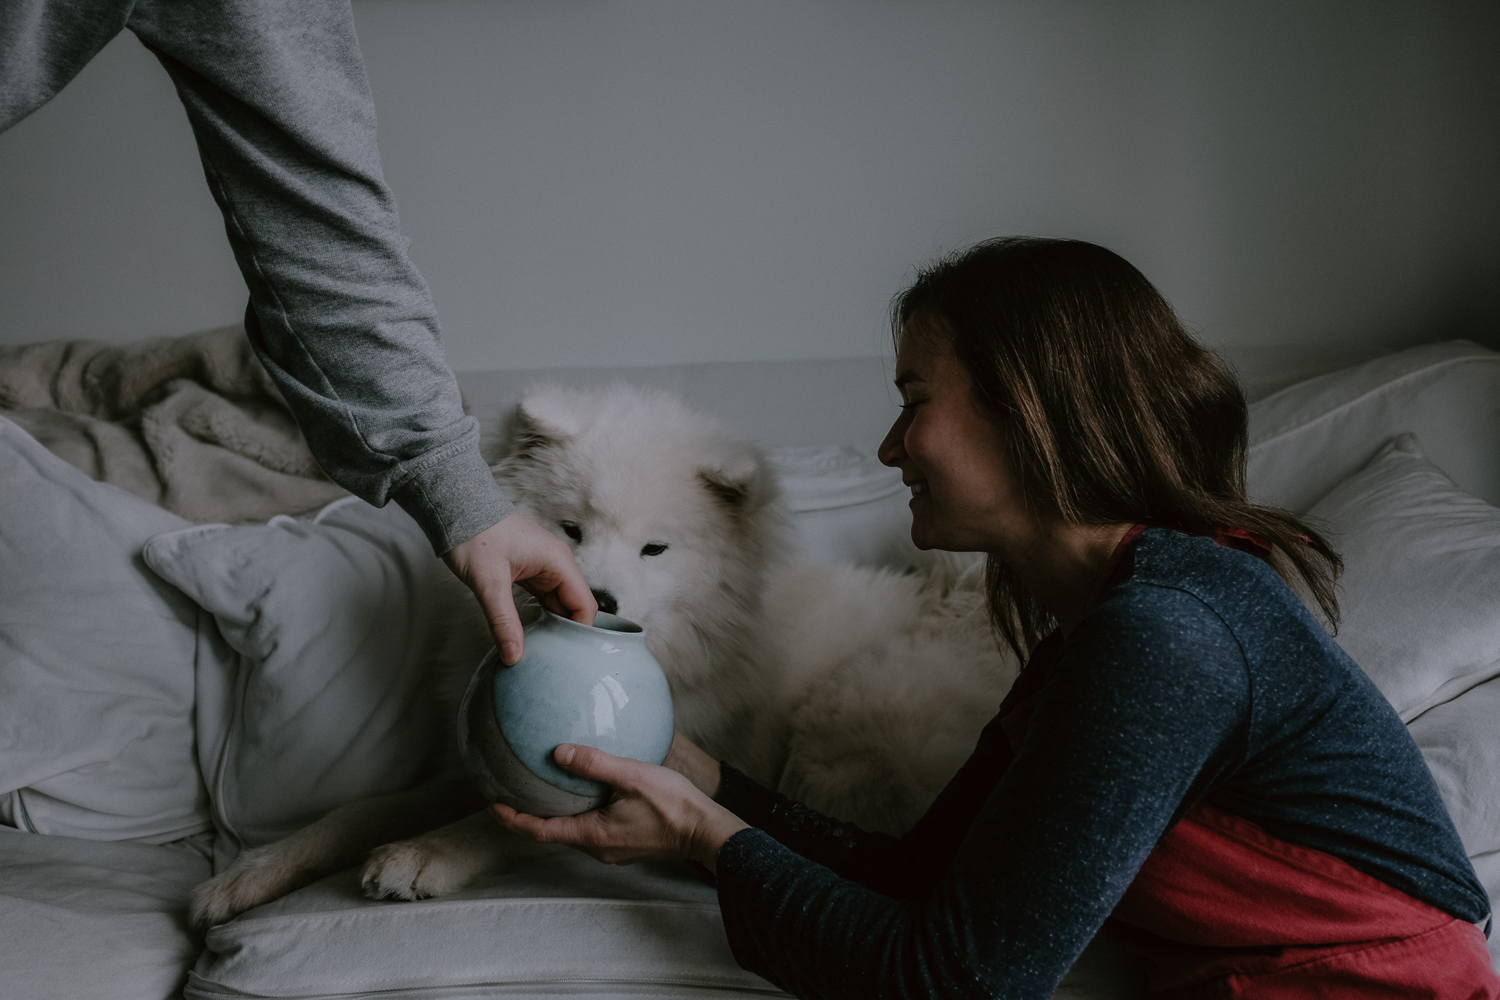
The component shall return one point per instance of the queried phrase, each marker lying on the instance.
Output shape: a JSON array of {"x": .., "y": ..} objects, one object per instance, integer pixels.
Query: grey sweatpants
[{"x": 277, "y": 97}]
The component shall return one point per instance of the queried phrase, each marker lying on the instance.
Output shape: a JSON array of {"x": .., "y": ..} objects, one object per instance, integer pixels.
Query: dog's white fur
[{"x": 857, "y": 691}]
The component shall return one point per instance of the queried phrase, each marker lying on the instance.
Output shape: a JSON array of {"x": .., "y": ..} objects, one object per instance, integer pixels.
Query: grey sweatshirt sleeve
[{"x": 277, "y": 97}]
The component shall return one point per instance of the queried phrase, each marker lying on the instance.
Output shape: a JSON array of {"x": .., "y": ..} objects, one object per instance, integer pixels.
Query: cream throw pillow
[{"x": 1420, "y": 595}]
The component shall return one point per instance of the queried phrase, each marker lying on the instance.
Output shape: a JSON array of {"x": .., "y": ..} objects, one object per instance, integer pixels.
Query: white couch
[{"x": 162, "y": 689}]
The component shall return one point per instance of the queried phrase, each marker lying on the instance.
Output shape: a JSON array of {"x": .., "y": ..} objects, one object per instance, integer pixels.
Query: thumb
[{"x": 590, "y": 762}]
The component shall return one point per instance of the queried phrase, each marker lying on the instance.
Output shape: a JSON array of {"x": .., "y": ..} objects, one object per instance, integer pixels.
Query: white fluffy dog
[{"x": 857, "y": 691}]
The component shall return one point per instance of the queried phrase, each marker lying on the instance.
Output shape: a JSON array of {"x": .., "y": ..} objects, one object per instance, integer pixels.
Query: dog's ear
[
  {"x": 544, "y": 417},
  {"x": 741, "y": 481}
]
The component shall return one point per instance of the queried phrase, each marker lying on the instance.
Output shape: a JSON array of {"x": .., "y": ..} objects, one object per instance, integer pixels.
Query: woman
[{"x": 1187, "y": 754}]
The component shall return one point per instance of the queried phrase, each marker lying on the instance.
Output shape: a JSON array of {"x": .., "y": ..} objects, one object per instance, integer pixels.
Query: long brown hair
[{"x": 1113, "y": 413}]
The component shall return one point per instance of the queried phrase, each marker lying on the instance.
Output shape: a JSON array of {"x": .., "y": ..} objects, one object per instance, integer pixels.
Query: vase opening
[{"x": 614, "y": 623}]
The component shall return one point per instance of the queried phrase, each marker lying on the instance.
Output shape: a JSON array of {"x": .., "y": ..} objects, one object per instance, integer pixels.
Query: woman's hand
[
  {"x": 693, "y": 764},
  {"x": 655, "y": 813}
]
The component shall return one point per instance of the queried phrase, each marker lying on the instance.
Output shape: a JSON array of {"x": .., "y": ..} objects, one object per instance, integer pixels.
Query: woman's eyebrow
[{"x": 904, "y": 377}]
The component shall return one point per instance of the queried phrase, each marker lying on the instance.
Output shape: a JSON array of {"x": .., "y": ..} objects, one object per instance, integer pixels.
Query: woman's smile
[{"x": 952, "y": 456}]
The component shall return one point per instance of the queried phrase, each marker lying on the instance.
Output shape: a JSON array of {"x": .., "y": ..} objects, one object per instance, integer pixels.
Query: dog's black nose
[{"x": 607, "y": 602}]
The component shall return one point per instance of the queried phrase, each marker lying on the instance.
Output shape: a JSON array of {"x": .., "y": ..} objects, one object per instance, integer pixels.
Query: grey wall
[{"x": 609, "y": 182}]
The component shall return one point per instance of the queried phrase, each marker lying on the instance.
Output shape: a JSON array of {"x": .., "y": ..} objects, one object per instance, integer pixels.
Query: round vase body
[{"x": 594, "y": 686}]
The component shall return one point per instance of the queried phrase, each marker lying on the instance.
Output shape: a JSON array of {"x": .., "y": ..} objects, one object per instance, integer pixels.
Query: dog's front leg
[
  {"x": 445, "y": 860},
  {"x": 337, "y": 841}
]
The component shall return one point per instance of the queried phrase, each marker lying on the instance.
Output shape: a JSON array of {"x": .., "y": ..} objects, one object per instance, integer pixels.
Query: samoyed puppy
[{"x": 857, "y": 691}]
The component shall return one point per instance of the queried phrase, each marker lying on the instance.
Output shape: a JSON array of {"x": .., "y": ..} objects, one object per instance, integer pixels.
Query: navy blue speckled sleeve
[
  {"x": 1144, "y": 706},
  {"x": 904, "y": 867}
]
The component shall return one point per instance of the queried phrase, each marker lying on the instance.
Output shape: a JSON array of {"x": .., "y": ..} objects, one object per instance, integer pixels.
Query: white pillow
[
  {"x": 846, "y": 506},
  {"x": 1420, "y": 596},
  {"x": 96, "y": 660},
  {"x": 321, "y": 701}
]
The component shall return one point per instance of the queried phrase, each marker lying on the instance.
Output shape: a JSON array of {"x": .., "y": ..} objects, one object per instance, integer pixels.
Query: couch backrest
[
  {"x": 848, "y": 401},
  {"x": 1305, "y": 439},
  {"x": 1308, "y": 438}
]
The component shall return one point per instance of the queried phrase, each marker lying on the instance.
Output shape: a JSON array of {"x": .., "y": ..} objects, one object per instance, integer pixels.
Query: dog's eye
[
  {"x": 571, "y": 530},
  {"x": 653, "y": 548}
]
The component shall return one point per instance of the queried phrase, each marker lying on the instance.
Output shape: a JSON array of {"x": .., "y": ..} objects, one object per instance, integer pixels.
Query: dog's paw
[
  {"x": 412, "y": 869},
  {"x": 246, "y": 884}
]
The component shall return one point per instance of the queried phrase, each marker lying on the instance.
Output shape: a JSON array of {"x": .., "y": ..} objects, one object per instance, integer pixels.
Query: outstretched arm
[
  {"x": 276, "y": 94},
  {"x": 277, "y": 98},
  {"x": 905, "y": 867},
  {"x": 1101, "y": 773}
]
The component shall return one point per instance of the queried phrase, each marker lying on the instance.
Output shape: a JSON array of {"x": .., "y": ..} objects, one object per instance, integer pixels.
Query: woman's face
[{"x": 964, "y": 498}]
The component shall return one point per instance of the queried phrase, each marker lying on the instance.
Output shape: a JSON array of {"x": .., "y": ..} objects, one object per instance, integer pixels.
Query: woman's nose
[{"x": 891, "y": 452}]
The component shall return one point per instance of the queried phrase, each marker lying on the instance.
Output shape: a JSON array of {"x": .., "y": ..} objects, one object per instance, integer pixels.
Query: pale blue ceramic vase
[{"x": 593, "y": 686}]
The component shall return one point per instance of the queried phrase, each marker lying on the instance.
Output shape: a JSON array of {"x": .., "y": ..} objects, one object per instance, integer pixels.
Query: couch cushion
[
  {"x": 84, "y": 918},
  {"x": 97, "y": 659},
  {"x": 1460, "y": 740},
  {"x": 1487, "y": 867},
  {"x": 564, "y": 923},
  {"x": 846, "y": 507},
  {"x": 1420, "y": 595},
  {"x": 1306, "y": 439},
  {"x": 320, "y": 701}
]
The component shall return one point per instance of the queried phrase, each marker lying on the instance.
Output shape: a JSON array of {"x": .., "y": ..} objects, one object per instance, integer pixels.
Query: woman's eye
[
  {"x": 572, "y": 530},
  {"x": 653, "y": 548}
]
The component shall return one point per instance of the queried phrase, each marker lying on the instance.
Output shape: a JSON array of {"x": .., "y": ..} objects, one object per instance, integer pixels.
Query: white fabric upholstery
[
  {"x": 86, "y": 918},
  {"x": 563, "y": 925},
  {"x": 1487, "y": 867},
  {"x": 1460, "y": 741},
  {"x": 96, "y": 660},
  {"x": 1420, "y": 596},
  {"x": 812, "y": 403},
  {"x": 1307, "y": 439},
  {"x": 846, "y": 506},
  {"x": 563, "y": 921},
  {"x": 316, "y": 701}
]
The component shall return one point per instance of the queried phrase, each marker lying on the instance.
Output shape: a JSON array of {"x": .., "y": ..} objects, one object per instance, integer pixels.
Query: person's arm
[
  {"x": 45, "y": 43},
  {"x": 276, "y": 94},
  {"x": 1133, "y": 726},
  {"x": 905, "y": 867},
  {"x": 1145, "y": 709}
]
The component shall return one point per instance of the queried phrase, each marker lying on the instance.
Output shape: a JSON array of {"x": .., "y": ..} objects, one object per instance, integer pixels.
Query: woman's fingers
[
  {"x": 589, "y": 762},
  {"x": 558, "y": 829},
  {"x": 654, "y": 813}
]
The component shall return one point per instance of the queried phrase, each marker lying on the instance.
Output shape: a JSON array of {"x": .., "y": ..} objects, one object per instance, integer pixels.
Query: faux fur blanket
[{"x": 190, "y": 423}]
